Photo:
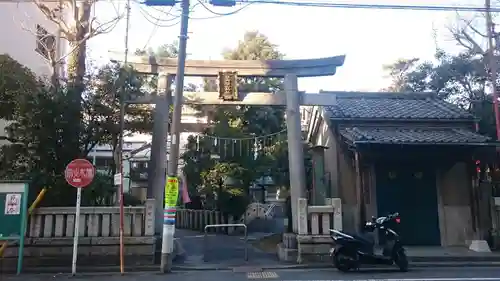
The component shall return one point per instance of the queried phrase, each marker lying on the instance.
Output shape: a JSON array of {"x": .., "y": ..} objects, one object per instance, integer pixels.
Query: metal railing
[
  {"x": 270, "y": 210},
  {"x": 235, "y": 225}
]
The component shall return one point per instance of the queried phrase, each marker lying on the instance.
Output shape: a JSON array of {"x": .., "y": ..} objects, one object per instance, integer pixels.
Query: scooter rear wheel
[
  {"x": 401, "y": 260},
  {"x": 343, "y": 261}
]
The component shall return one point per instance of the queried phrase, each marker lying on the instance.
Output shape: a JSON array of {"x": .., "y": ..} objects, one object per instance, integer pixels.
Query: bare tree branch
[
  {"x": 53, "y": 15},
  {"x": 77, "y": 28},
  {"x": 465, "y": 33},
  {"x": 476, "y": 31},
  {"x": 475, "y": 47}
]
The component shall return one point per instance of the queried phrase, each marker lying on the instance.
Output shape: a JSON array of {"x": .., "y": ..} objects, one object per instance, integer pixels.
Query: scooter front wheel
[{"x": 401, "y": 260}]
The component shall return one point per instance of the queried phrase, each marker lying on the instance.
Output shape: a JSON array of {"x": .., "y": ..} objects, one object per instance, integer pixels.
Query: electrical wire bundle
[
  {"x": 340, "y": 5},
  {"x": 167, "y": 17},
  {"x": 171, "y": 18}
]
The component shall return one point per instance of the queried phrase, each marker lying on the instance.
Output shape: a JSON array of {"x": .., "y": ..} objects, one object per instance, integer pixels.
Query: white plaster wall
[
  {"x": 325, "y": 137},
  {"x": 18, "y": 25},
  {"x": 455, "y": 219}
]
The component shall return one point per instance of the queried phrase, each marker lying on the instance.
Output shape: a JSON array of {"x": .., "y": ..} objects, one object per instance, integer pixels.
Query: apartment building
[
  {"x": 31, "y": 36},
  {"x": 28, "y": 38},
  {"x": 137, "y": 151}
]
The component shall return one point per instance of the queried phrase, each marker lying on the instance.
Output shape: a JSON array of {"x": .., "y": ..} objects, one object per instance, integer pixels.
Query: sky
[{"x": 369, "y": 39}]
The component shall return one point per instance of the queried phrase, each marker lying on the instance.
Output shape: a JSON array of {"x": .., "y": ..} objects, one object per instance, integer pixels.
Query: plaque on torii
[{"x": 228, "y": 85}]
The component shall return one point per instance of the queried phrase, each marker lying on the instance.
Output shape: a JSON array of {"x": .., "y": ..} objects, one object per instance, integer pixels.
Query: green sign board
[{"x": 13, "y": 215}]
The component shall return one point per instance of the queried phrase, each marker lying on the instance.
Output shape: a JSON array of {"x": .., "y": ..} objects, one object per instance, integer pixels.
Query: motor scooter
[{"x": 352, "y": 250}]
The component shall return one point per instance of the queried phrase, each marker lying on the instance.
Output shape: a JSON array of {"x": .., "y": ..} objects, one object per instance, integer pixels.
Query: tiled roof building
[{"x": 402, "y": 118}]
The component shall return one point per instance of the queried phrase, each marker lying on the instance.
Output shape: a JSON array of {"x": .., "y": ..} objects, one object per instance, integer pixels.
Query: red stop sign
[{"x": 79, "y": 173}]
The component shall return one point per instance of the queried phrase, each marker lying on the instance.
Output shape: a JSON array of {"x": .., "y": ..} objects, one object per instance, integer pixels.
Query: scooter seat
[{"x": 365, "y": 239}]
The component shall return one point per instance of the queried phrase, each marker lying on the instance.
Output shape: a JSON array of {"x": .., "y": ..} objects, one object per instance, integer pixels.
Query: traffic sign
[
  {"x": 79, "y": 173},
  {"x": 171, "y": 192},
  {"x": 117, "y": 179}
]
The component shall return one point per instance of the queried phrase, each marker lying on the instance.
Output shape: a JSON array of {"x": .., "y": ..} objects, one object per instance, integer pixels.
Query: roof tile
[
  {"x": 395, "y": 106},
  {"x": 409, "y": 135}
]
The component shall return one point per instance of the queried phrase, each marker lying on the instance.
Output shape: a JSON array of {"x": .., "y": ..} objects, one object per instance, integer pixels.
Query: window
[
  {"x": 102, "y": 162},
  {"x": 45, "y": 43}
]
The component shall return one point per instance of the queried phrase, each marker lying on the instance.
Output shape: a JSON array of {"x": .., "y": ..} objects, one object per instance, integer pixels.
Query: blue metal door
[{"x": 411, "y": 191}]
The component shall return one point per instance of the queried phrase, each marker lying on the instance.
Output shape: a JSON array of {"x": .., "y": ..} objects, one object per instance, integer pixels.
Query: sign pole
[
  {"x": 118, "y": 181},
  {"x": 77, "y": 229},
  {"x": 24, "y": 222},
  {"x": 79, "y": 173}
]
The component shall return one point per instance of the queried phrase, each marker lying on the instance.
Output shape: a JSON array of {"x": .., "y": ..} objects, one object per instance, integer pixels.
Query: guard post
[{"x": 14, "y": 203}]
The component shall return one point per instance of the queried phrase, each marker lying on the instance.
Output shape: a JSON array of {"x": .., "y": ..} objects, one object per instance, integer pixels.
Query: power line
[
  {"x": 157, "y": 19},
  {"x": 160, "y": 10},
  {"x": 324, "y": 4},
  {"x": 155, "y": 28},
  {"x": 153, "y": 32}
]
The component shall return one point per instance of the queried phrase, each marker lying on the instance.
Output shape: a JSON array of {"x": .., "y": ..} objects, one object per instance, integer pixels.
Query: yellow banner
[{"x": 171, "y": 192}]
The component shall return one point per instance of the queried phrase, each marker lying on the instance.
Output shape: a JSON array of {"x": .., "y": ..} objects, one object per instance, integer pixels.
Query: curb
[
  {"x": 115, "y": 270},
  {"x": 326, "y": 266}
]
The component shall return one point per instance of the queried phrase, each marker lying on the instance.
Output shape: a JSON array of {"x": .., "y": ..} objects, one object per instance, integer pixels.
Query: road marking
[
  {"x": 417, "y": 279},
  {"x": 262, "y": 275}
]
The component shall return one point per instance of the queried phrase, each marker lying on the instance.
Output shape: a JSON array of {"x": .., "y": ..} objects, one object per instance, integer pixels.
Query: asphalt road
[{"x": 418, "y": 274}]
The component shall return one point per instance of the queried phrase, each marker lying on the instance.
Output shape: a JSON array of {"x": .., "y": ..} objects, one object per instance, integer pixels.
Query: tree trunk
[{"x": 77, "y": 70}]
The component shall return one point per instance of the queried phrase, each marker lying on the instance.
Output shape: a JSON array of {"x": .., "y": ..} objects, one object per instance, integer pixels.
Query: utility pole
[
  {"x": 121, "y": 141},
  {"x": 173, "y": 161},
  {"x": 492, "y": 63},
  {"x": 490, "y": 27}
]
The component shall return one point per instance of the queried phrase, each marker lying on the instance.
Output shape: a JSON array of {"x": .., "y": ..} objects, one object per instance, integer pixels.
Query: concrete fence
[
  {"x": 318, "y": 220},
  {"x": 313, "y": 241},
  {"x": 198, "y": 219},
  {"x": 50, "y": 231},
  {"x": 55, "y": 222},
  {"x": 314, "y": 226}
]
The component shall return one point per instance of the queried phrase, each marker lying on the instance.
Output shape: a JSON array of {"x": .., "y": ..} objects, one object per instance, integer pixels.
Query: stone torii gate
[{"x": 290, "y": 70}]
